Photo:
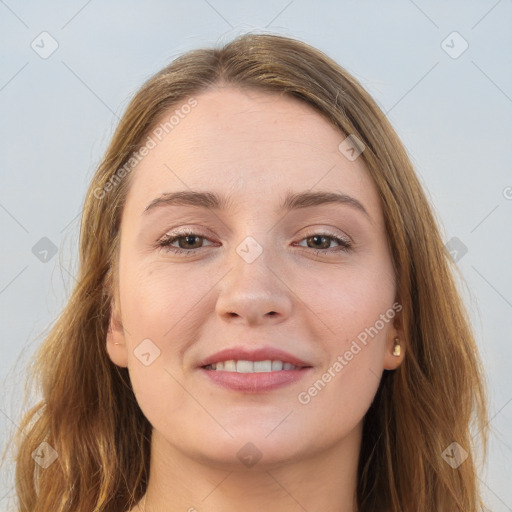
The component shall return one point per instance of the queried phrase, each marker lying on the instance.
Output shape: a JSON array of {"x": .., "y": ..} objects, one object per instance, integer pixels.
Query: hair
[{"x": 88, "y": 412}]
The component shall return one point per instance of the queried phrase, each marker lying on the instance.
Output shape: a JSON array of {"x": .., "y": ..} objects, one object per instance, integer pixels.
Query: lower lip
[{"x": 256, "y": 382}]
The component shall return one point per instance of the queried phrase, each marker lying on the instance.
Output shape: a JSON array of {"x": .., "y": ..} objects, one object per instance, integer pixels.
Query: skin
[{"x": 254, "y": 147}]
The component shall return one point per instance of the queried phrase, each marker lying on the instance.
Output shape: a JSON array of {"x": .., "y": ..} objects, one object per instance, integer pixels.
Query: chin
[{"x": 246, "y": 450}]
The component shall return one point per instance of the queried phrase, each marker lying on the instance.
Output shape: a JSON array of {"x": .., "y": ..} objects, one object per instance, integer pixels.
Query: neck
[{"x": 323, "y": 481}]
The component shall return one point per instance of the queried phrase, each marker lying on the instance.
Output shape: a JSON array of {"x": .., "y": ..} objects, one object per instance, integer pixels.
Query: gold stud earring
[{"x": 396, "y": 347}]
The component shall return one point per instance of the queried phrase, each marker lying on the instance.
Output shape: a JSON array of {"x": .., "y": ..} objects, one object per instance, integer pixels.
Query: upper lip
[{"x": 253, "y": 354}]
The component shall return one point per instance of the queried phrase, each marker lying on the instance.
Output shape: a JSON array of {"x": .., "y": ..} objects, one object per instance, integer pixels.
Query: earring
[{"x": 396, "y": 347}]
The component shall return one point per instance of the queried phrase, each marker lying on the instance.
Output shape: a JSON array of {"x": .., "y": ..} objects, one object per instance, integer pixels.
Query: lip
[
  {"x": 255, "y": 382},
  {"x": 255, "y": 354}
]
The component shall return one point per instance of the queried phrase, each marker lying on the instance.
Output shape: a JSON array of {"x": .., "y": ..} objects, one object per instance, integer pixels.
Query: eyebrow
[{"x": 292, "y": 201}]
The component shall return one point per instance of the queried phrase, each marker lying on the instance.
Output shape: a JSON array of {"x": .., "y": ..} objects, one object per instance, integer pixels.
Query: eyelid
[
  {"x": 187, "y": 230},
  {"x": 180, "y": 233},
  {"x": 327, "y": 232},
  {"x": 198, "y": 231}
]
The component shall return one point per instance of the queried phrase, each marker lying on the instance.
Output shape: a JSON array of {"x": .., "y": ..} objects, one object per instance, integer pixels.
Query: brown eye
[
  {"x": 190, "y": 241},
  {"x": 187, "y": 242},
  {"x": 321, "y": 243}
]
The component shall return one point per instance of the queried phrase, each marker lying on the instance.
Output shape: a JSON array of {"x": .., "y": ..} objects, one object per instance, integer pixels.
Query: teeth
[
  {"x": 277, "y": 365},
  {"x": 243, "y": 366},
  {"x": 230, "y": 366},
  {"x": 262, "y": 366}
]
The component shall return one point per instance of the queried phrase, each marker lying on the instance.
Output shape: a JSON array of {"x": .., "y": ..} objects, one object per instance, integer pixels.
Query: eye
[
  {"x": 188, "y": 242},
  {"x": 321, "y": 243}
]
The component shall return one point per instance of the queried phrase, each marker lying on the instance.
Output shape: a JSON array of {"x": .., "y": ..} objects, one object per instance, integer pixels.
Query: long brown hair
[{"x": 88, "y": 413}]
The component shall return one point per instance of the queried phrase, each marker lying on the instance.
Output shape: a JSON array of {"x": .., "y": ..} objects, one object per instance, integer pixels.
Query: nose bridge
[{"x": 252, "y": 289}]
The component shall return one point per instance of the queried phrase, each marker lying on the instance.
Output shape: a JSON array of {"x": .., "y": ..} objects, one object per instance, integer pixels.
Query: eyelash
[{"x": 165, "y": 243}]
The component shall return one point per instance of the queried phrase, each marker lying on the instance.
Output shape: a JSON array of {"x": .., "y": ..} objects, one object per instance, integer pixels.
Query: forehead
[{"x": 252, "y": 144}]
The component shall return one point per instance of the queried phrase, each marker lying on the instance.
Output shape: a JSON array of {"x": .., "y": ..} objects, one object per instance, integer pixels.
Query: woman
[{"x": 265, "y": 314}]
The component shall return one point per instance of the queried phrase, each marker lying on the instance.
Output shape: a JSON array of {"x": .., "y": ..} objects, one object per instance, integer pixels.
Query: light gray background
[{"x": 453, "y": 114}]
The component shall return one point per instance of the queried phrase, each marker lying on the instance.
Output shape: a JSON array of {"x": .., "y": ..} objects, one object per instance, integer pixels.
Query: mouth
[
  {"x": 245, "y": 366},
  {"x": 254, "y": 371}
]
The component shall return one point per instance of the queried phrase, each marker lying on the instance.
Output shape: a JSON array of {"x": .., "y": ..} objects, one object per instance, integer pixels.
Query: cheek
[
  {"x": 157, "y": 307},
  {"x": 157, "y": 299},
  {"x": 348, "y": 299},
  {"x": 353, "y": 313},
  {"x": 337, "y": 401},
  {"x": 164, "y": 311},
  {"x": 341, "y": 392}
]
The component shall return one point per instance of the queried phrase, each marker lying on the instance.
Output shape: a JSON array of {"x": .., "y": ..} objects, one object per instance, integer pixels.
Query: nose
[{"x": 254, "y": 292}]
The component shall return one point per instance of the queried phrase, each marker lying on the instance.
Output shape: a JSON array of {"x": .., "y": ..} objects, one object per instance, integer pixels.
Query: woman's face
[{"x": 271, "y": 266}]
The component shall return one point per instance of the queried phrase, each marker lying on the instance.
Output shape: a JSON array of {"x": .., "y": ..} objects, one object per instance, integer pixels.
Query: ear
[
  {"x": 116, "y": 340},
  {"x": 392, "y": 362}
]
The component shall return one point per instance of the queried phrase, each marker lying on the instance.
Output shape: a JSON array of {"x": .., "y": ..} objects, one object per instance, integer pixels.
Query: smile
[{"x": 243, "y": 366}]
